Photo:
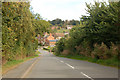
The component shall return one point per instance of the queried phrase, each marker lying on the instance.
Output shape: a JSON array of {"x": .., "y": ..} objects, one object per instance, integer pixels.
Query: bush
[
  {"x": 103, "y": 52},
  {"x": 19, "y": 30},
  {"x": 60, "y": 46},
  {"x": 85, "y": 51},
  {"x": 53, "y": 49},
  {"x": 66, "y": 52}
]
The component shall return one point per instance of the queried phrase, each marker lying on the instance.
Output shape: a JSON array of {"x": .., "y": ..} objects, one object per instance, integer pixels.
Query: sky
[{"x": 63, "y": 9}]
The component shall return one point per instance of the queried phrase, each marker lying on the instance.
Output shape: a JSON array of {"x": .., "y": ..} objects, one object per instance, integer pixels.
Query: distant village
[{"x": 49, "y": 39}]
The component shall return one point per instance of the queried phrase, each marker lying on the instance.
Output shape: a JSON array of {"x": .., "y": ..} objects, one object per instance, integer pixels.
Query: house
[
  {"x": 69, "y": 26},
  {"x": 66, "y": 33},
  {"x": 43, "y": 40},
  {"x": 50, "y": 37},
  {"x": 54, "y": 27},
  {"x": 52, "y": 40},
  {"x": 59, "y": 35}
]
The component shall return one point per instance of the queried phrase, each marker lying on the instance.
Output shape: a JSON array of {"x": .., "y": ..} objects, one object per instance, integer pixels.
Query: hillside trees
[
  {"x": 57, "y": 21},
  {"x": 74, "y": 22},
  {"x": 62, "y": 23}
]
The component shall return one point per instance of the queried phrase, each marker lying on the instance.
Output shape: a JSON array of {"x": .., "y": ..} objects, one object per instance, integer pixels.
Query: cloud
[{"x": 63, "y": 9}]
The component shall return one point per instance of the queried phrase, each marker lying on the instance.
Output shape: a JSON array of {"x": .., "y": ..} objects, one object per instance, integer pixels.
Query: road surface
[{"x": 50, "y": 66}]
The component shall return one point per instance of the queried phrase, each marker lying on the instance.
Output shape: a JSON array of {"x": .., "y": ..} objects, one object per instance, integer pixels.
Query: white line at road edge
[
  {"x": 28, "y": 70},
  {"x": 70, "y": 65},
  {"x": 86, "y": 76}
]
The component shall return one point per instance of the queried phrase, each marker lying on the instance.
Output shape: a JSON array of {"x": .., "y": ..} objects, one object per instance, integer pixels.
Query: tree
[
  {"x": 74, "y": 22},
  {"x": 103, "y": 18},
  {"x": 60, "y": 46},
  {"x": 101, "y": 26},
  {"x": 19, "y": 27},
  {"x": 41, "y": 26}
]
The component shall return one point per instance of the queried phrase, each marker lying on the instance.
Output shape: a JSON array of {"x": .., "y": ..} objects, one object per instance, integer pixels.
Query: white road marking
[
  {"x": 56, "y": 58},
  {"x": 74, "y": 68},
  {"x": 70, "y": 65},
  {"x": 86, "y": 76},
  {"x": 62, "y": 61},
  {"x": 28, "y": 70}
]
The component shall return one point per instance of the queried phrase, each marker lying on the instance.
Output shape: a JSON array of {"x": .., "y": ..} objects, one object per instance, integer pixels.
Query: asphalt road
[{"x": 50, "y": 66}]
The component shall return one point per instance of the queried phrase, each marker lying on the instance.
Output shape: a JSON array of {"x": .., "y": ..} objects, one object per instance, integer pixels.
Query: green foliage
[
  {"x": 74, "y": 22},
  {"x": 97, "y": 36},
  {"x": 48, "y": 48},
  {"x": 102, "y": 24},
  {"x": 19, "y": 29},
  {"x": 62, "y": 30},
  {"x": 57, "y": 22},
  {"x": 60, "y": 46},
  {"x": 109, "y": 62},
  {"x": 62, "y": 23},
  {"x": 101, "y": 52},
  {"x": 14, "y": 63},
  {"x": 53, "y": 49},
  {"x": 41, "y": 26}
]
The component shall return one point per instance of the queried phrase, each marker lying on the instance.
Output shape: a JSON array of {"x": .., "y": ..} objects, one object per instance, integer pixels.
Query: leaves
[
  {"x": 17, "y": 31},
  {"x": 101, "y": 27}
]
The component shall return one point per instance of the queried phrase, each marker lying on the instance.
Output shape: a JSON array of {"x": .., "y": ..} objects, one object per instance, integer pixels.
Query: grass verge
[
  {"x": 14, "y": 63},
  {"x": 109, "y": 62},
  {"x": 47, "y": 49}
]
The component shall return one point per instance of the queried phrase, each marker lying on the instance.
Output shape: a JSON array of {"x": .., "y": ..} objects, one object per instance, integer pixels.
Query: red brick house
[
  {"x": 58, "y": 35},
  {"x": 54, "y": 27},
  {"x": 52, "y": 40}
]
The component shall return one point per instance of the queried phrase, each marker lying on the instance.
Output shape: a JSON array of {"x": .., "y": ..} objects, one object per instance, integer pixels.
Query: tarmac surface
[{"x": 49, "y": 66}]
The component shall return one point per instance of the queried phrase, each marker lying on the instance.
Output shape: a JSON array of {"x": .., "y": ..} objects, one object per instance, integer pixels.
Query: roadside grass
[
  {"x": 47, "y": 49},
  {"x": 14, "y": 63},
  {"x": 109, "y": 62}
]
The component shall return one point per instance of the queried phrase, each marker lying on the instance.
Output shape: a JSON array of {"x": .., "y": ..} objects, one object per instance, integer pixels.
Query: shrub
[
  {"x": 66, "y": 52},
  {"x": 53, "y": 49},
  {"x": 115, "y": 50},
  {"x": 60, "y": 46},
  {"x": 98, "y": 51},
  {"x": 85, "y": 51},
  {"x": 103, "y": 52}
]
